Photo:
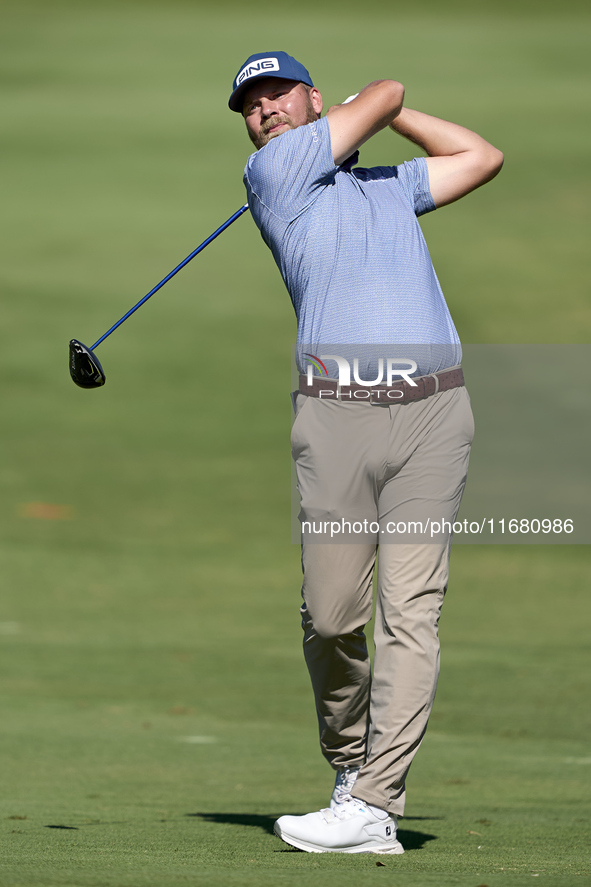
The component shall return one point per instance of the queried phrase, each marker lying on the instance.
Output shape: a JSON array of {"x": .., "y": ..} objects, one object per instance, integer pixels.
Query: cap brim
[{"x": 236, "y": 100}]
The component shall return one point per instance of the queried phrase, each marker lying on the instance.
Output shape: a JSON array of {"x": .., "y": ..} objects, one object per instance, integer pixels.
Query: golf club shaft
[{"x": 172, "y": 273}]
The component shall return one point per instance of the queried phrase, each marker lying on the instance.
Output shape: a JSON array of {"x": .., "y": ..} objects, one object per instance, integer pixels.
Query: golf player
[{"x": 382, "y": 463}]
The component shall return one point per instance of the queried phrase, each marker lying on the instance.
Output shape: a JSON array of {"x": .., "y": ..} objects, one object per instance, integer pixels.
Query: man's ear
[{"x": 316, "y": 100}]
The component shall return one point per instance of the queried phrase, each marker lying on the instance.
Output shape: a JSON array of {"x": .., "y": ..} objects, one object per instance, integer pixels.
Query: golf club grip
[{"x": 186, "y": 261}]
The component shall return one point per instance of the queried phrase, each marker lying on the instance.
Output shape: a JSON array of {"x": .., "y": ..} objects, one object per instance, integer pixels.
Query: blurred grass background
[{"x": 154, "y": 696}]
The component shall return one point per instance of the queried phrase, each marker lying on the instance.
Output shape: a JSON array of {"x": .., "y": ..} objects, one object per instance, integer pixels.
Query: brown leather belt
[{"x": 398, "y": 392}]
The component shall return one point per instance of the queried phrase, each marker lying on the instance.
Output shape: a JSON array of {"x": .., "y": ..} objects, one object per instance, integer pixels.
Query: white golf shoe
[
  {"x": 343, "y": 785},
  {"x": 349, "y": 827}
]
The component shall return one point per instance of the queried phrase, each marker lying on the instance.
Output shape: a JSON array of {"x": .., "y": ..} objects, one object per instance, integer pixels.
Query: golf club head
[{"x": 85, "y": 369}]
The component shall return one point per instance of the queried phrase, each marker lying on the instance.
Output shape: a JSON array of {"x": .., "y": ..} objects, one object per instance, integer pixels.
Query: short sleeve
[
  {"x": 413, "y": 176},
  {"x": 291, "y": 170}
]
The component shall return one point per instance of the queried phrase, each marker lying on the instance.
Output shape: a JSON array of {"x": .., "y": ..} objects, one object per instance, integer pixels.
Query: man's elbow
[
  {"x": 391, "y": 94},
  {"x": 484, "y": 165},
  {"x": 492, "y": 163},
  {"x": 396, "y": 88},
  {"x": 395, "y": 92}
]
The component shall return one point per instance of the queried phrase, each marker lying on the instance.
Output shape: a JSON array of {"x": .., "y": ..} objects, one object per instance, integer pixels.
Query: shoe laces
[
  {"x": 344, "y": 782},
  {"x": 345, "y": 809}
]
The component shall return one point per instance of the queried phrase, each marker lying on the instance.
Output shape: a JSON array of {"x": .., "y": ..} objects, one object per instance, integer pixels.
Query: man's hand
[
  {"x": 459, "y": 160},
  {"x": 346, "y": 102},
  {"x": 354, "y": 122}
]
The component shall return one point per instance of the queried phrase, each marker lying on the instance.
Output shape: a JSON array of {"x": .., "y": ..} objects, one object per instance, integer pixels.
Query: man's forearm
[
  {"x": 353, "y": 123},
  {"x": 459, "y": 160},
  {"x": 439, "y": 138}
]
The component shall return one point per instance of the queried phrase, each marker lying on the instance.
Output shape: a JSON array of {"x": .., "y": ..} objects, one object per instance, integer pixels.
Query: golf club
[{"x": 85, "y": 368}]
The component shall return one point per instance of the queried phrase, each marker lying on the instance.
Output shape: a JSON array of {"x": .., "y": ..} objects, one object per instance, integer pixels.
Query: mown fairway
[{"x": 154, "y": 697}]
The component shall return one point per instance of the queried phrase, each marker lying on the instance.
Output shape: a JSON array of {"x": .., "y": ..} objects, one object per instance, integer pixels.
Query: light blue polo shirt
[{"x": 350, "y": 249}]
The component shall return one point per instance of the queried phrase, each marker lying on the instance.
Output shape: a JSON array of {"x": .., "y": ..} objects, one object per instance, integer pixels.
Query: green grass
[
  {"x": 170, "y": 724},
  {"x": 166, "y": 607}
]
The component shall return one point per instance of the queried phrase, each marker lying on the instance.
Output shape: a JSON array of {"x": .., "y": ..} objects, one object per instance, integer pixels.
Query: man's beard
[{"x": 265, "y": 136}]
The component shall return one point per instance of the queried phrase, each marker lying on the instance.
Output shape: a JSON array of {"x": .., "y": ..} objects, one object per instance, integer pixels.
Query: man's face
[{"x": 272, "y": 106}]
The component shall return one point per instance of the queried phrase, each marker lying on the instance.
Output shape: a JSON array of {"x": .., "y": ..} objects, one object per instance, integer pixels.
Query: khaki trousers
[{"x": 383, "y": 464}]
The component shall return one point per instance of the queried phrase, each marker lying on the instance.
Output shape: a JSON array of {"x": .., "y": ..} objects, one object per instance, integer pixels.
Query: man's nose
[{"x": 268, "y": 108}]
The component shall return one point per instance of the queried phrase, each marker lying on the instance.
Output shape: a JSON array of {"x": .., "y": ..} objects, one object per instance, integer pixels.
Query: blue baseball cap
[{"x": 266, "y": 64}]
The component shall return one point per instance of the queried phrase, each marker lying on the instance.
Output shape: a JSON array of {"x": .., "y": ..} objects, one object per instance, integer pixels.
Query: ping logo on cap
[{"x": 270, "y": 64}]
